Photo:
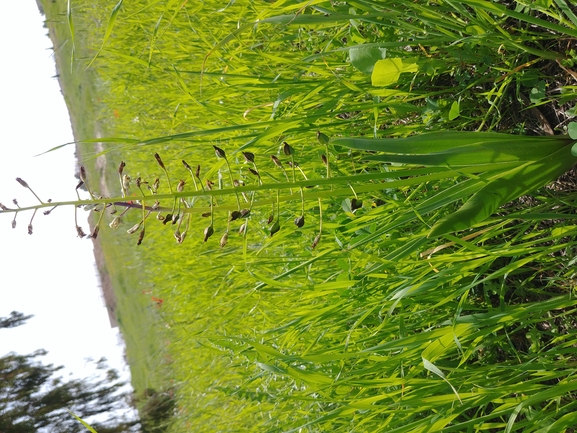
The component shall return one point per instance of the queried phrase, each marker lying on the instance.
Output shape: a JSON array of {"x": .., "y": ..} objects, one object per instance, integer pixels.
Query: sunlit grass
[{"x": 374, "y": 326}]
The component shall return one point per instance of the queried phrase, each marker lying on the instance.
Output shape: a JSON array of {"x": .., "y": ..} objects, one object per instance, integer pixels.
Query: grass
[{"x": 337, "y": 303}]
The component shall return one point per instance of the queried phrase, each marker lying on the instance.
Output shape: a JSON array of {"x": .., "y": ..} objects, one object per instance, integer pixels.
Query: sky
[{"x": 51, "y": 273}]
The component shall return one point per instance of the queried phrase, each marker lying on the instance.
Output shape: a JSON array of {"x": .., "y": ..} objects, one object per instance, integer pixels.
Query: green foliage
[{"x": 329, "y": 290}]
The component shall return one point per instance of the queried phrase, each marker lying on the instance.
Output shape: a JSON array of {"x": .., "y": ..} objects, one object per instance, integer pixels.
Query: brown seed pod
[
  {"x": 322, "y": 138},
  {"x": 300, "y": 221},
  {"x": 159, "y": 160},
  {"x": 276, "y": 161},
  {"x": 208, "y": 232},
  {"x": 275, "y": 228},
  {"x": 249, "y": 156},
  {"x": 219, "y": 152},
  {"x": 224, "y": 239},
  {"x": 356, "y": 204},
  {"x": 234, "y": 215},
  {"x": 287, "y": 149}
]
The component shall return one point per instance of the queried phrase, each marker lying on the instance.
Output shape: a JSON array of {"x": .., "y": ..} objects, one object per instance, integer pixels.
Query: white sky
[{"x": 50, "y": 274}]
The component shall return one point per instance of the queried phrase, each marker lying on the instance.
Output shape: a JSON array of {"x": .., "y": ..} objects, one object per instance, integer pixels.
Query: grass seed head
[
  {"x": 219, "y": 152},
  {"x": 115, "y": 223},
  {"x": 249, "y": 156},
  {"x": 275, "y": 228},
  {"x": 80, "y": 232},
  {"x": 22, "y": 182},
  {"x": 208, "y": 232},
  {"x": 316, "y": 241},
  {"x": 82, "y": 173},
  {"x": 300, "y": 221},
  {"x": 234, "y": 215},
  {"x": 322, "y": 138},
  {"x": 287, "y": 149},
  {"x": 159, "y": 160},
  {"x": 140, "y": 236},
  {"x": 224, "y": 239}
]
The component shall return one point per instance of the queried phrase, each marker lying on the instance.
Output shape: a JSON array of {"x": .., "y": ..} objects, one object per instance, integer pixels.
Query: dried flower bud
[
  {"x": 209, "y": 184},
  {"x": 275, "y": 228},
  {"x": 180, "y": 186},
  {"x": 80, "y": 232},
  {"x": 138, "y": 182},
  {"x": 300, "y": 221},
  {"x": 159, "y": 217},
  {"x": 182, "y": 237},
  {"x": 242, "y": 229},
  {"x": 29, "y": 229},
  {"x": 356, "y": 204},
  {"x": 133, "y": 229},
  {"x": 322, "y": 138},
  {"x": 324, "y": 158},
  {"x": 244, "y": 213},
  {"x": 4, "y": 207},
  {"x": 253, "y": 171},
  {"x": 155, "y": 185},
  {"x": 197, "y": 173},
  {"x": 249, "y": 156},
  {"x": 22, "y": 182},
  {"x": 82, "y": 173},
  {"x": 94, "y": 233},
  {"x": 14, "y": 223},
  {"x": 115, "y": 222},
  {"x": 126, "y": 181},
  {"x": 235, "y": 183},
  {"x": 292, "y": 164},
  {"x": 121, "y": 167},
  {"x": 15, "y": 202},
  {"x": 208, "y": 232},
  {"x": 234, "y": 215},
  {"x": 316, "y": 241},
  {"x": 276, "y": 161},
  {"x": 224, "y": 239},
  {"x": 175, "y": 218},
  {"x": 205, "y": 214},
  {"x": 287, "y": 149},
  {"x": 270, "y": 218},
  {"x": 167, "y": 219},
  {"x": 186, "y": 165},
  {"x": 156, "y": 205},
  {"x": 159, "y": 160},
  {"x": 219, "y": 152},
  {"x": 140, "y": 237}
]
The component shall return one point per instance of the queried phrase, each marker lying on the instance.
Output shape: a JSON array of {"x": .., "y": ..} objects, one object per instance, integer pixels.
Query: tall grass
[{"x": 358, "y": 319}]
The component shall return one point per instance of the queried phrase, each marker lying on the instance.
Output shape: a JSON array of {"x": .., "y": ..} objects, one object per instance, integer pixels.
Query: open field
[{"x": 291, "y": 277}]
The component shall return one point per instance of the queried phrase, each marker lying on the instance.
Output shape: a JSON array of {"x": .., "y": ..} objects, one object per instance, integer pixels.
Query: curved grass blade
[
  {"x": 504, "y": 187},
  {"x": 109, "y": 28}
]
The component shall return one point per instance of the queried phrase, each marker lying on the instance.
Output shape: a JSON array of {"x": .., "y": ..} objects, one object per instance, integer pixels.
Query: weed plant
[{"x": 309, "y": 280}]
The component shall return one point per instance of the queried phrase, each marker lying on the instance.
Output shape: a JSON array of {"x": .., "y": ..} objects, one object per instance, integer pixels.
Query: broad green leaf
[
  {"x": 388, "y": 71},
  {"x": 364, "y": 58},
  {"x": 455, "y": 110},
  {"x": 457, "y": 149},
  {"x": 504, "y": 187},
  {"x": 572, "y": 130}
]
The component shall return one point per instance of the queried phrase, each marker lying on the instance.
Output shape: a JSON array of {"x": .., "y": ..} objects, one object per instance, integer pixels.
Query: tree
[{"x": 34, "y": 399}]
